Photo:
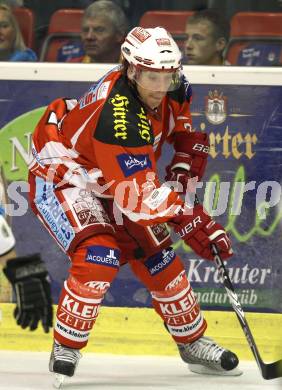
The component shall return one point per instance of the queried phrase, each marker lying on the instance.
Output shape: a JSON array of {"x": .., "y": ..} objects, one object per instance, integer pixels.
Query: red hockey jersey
[{"x": 108, "y": 143}]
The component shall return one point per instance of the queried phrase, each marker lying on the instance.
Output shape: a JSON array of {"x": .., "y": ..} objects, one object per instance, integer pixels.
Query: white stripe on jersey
[{"x": 82, "y": 127}]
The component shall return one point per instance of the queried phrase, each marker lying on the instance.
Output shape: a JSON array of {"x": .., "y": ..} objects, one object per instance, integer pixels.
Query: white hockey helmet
[{"x": 151, "y": 48}]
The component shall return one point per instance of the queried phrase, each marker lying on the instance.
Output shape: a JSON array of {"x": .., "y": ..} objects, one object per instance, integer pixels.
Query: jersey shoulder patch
[{"x": 123, "y": 120}]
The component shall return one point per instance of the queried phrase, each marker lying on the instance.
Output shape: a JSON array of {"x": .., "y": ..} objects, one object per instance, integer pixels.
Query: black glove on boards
[{"x": 30, "y": 280}]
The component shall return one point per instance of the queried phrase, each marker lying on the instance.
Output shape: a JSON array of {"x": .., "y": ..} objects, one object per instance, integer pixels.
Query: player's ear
[{"x": 221, "y": 44}]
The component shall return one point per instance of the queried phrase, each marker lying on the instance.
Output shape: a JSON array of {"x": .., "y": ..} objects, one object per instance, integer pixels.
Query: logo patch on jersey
[
  {"x": 123, "y": 121},
  {"x": 144, "y": 126},
  {"x": 86, "y": 208},
  {"x": 103, "y": 90},
  {"x": 160, "y": 261},
  {"x": 159, "y": 232},
  {"x": 89, "y": 97},
  {"x": 132, "y": 163},
  {"x": 157, "y": 197},
  {"x": 53, "y": 214},
  {"x": 103, "y": 255},
  {"x": 95, "y": 92},
  {"x": 120, "y": 109}
]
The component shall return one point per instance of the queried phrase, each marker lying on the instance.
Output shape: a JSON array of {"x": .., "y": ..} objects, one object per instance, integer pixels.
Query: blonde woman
[{"x": 12, "y": 46}]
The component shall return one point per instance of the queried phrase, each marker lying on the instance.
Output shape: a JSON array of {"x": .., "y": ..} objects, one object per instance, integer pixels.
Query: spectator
[
  {"x": 12, "y": 46},
  {"x": 207, "y": 38},
  {"x": 104, "y": 26},
  {"x": 43, "y": 11}
]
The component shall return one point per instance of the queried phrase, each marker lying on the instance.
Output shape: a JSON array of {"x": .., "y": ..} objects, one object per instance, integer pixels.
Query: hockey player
[
  {"x": 95, "y": 187},
  {"x": 27, "y": 275}
]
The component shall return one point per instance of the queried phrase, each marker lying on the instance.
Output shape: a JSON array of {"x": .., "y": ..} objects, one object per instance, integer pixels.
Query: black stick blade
[{"x": 272, "y": 370}]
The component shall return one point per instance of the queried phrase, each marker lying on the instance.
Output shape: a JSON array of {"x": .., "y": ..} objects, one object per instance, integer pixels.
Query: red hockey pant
[{"x": 95, "y": 263}]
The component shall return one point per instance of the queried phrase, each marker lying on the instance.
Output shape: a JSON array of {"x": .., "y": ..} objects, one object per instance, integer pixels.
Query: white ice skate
[
  {"x": 63, "y": 362},
  {"x": 206, "y": 357}
]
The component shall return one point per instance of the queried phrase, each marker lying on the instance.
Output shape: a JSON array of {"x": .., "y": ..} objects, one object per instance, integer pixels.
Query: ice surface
[{"x": 29, "y": 370}]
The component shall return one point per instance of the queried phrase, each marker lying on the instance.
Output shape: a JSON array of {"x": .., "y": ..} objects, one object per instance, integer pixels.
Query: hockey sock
[
  {"x": 180, "y": 311},
  {"x": 77, "y": 311}
]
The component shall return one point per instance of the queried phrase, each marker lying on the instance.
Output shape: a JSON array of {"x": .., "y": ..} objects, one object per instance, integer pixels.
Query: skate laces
[
  {"x": 66, "y": 354},
  {"x": 206, "y": 349}
]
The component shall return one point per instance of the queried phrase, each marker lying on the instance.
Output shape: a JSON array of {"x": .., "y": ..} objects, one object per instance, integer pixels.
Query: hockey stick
[{"x": 268, "y": 370}]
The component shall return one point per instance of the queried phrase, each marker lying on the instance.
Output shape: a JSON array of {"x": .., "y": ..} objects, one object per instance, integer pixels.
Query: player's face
[
  {"x": 100, "y": 40},
  {"x": 201, "y": 47},
  {"x": 152, "y": 86},
  {"x": 7, "y": 33}
]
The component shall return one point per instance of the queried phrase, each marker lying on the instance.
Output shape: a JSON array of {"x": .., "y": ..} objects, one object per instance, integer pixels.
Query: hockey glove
[
  {"x": 30, "y": 281},
  {"x": 190, "y": 159},
  {"x": 199, "y": 231}
]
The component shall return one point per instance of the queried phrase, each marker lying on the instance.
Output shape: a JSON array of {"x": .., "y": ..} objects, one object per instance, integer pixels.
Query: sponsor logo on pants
[
  {"x": 98, "y": 254},
  {"x": 160, "y": 261}
]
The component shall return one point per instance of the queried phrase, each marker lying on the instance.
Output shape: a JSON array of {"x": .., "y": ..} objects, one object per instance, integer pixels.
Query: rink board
[
  {"x": 246, "y": 146},
  {"x": 28, "y": 88},
  {"x": 136, "y": 331}
]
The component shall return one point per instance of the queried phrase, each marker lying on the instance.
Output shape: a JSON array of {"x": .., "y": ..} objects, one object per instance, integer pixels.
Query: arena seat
[
  {"x": 173, "y": 21},
  {"x": 26, "y": 20},
  {"x": 65, "y": 25},
  {"x": 256, "y": 39}
]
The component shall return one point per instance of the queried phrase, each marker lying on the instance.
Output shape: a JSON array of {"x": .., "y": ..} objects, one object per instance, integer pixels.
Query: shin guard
[
  {"x": 180, "y": 311},
  {"x": 77, "y": 311}
]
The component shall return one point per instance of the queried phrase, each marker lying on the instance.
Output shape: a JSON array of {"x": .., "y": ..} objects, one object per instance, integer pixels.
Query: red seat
[
  {"x": 173, "y": 21},
  {"x": 66, "y": 20},
  {"x": 26, "y": 20},
  {"x": 252, "y": 24},
  {"x": 65, "y": 24},
  {"x": 253, "y": 27}
]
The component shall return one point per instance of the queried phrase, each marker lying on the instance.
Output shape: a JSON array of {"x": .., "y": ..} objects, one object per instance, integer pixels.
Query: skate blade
[
  {"x": 59, "y": 380},
  {"x": 203, "y": 370}
]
